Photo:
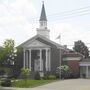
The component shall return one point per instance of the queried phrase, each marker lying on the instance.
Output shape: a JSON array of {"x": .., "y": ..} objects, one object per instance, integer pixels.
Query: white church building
[{"x": 43, "y": 55}]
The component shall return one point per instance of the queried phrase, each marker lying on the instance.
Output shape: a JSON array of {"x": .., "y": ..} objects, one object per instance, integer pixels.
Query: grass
[{"x": 30, "y": 83}]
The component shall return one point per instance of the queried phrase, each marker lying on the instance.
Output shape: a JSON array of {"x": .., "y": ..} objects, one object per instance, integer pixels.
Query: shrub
[
  {"x": 25, "y": 73},
  {"x": 65, "y": 71},
  {"x": 51, "y": 77},
  {"x": 6, "y": 83},
  {"x": 37, "y": 76},
  {"x": 57, "y": 75},
  {"x": 45, "y": 77}
]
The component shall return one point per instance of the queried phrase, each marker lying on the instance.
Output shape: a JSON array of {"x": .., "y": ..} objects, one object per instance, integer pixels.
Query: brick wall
[{"x": 74, "y": 66}]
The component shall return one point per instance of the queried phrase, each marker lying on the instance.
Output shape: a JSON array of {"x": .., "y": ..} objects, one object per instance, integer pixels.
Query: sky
[{"x": 19, "y": 20}]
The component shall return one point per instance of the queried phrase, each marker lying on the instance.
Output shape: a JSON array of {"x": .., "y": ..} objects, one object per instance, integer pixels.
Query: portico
[{"x": 37, "y": 59}]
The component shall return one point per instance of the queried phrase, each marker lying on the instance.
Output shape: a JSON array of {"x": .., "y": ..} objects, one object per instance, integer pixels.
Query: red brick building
[{"x": 72, "y": 59}]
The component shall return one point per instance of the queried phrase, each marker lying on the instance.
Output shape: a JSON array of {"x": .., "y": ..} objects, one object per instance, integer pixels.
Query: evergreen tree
[{"x": 80, "y": 47}]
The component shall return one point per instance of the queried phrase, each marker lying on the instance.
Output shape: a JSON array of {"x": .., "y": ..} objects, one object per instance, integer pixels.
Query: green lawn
[{"x": 30, "y": 83}]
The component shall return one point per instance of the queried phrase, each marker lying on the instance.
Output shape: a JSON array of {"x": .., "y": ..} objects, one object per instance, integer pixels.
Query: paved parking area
[{"x": 71, "y": 84}]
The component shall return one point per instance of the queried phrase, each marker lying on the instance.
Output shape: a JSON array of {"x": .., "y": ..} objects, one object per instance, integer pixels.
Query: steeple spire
[
  {"x": 43, "y": 2},
  {"x": 43, "y": 30},
  {"x": 43, "y": 13}
]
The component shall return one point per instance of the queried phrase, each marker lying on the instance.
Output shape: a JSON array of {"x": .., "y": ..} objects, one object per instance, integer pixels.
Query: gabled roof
[
  {"x": 44, "y": 39},
  {"x": 43, "y": 14}
]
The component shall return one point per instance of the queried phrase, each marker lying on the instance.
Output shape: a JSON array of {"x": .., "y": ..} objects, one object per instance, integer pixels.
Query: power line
[
  {"x": 66, "y": 13},
  {"x": 72, "y": 11},
  {"x": 71, "y": 16}
]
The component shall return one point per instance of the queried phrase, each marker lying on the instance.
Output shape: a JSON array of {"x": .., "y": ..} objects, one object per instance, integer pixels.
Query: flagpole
[
  {"x": 60, "y": 40},
  {"x": 60, "y": 56},
  {"x": 59, "y": 37}
]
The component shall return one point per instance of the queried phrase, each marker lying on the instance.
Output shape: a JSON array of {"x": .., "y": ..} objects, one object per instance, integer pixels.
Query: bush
[
  {"x": 65, "y": 72},
  {"x": 57, "y": 75},
  {"x": 37, "y": 76},
  {"x": 45, "y": 77},
  {"x": 6, "y": 83},
  {"x": 25, "y": 73},
  {"x": 51, "y": 77}
]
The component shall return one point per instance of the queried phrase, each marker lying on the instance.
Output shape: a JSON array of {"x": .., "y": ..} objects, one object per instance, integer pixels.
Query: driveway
[{"x": 71, "y": 84}]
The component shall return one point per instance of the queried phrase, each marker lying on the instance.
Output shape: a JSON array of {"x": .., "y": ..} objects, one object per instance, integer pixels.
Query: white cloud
[
  {"x": 69, "y": 33},
  {"x": 22, "y": 7},
  {"x": 13, "y": 19}
]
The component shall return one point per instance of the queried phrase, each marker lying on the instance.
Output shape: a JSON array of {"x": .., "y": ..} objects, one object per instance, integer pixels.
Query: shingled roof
[{"x": 72, "y": 54}]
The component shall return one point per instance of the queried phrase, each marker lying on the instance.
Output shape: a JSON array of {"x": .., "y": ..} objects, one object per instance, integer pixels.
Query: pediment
[
  {"x": 36, "y": 43},
  {"x": 41, "y": 40}
]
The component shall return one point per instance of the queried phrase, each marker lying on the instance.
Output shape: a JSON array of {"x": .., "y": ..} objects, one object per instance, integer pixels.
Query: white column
[
  {"x": 49, "y": 60},
  {"x": 30, "y": 59},
  {"x": 24, "y": 59},
  {"x": 46, "y": 59},
  {"x": 40, "y": 59},
  {"x": 86, "y": 71}
]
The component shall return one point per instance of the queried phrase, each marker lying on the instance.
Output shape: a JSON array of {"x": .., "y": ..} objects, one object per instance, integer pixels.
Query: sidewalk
[{"x": 70, "y": 84}]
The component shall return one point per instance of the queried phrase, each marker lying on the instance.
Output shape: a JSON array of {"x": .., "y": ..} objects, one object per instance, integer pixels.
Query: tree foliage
[
  {"x": 7, "y": 52},
  {"x": 80, "y": 47},
  {"x": 19, "y": 58}
]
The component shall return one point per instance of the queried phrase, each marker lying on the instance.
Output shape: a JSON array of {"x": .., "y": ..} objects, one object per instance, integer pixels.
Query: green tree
[
  {"x": 18, "y": 64},
  {"x": 80, "y": 47},
  {"x": 7, "y": 52}
]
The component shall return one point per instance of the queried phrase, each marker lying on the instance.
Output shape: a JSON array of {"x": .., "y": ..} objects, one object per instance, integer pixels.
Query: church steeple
[
  {"x": 43, "y": 18},
  {"x": 43, "y": 14},
  {"x": 42, "y": 30}
]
